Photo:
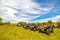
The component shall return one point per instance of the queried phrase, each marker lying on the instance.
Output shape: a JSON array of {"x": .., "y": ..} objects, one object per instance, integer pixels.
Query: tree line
[{"x": 38, "y": 23}]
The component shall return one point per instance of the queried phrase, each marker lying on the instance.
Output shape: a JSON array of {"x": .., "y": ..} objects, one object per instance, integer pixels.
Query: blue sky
[{"x": 30, "y": 10}]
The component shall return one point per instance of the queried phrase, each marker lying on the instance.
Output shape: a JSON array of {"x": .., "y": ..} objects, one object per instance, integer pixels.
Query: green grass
[{"x": 12, "y": 32}]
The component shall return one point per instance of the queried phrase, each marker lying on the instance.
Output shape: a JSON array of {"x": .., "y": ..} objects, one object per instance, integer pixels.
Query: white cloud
[{"x": 23, "y": 8}]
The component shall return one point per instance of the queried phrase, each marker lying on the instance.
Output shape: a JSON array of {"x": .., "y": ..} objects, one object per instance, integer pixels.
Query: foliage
[
  {"x": 22, "y": 23},
  {"x": 6, "y": 22},
  {"x": 58, "y": 23},
  {"x": 0, "y": 19},
  {"x": 38, "y": 23},
  {"x": 50, "y": 22}
]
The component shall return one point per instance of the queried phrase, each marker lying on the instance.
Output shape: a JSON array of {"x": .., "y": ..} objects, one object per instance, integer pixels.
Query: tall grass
[{"x": 12, "y": 32}]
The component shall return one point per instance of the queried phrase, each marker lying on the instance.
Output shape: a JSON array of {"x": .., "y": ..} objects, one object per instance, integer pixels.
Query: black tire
[
  {"x": 48, "y": 31},
  {"x": 34, "y": 29},
  {"x": 26, "y": 27},
  {"x": 51, "y": 29},
  {"x": 18, "y": 25},
  {"x": 39, "y": 30}
]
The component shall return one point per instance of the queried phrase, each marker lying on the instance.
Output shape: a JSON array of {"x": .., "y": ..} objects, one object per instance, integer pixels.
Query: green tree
[
  {"x": 38, "y": 23},
  {"x": 57, "y": 22},
  {"x": 7, "y": 22},
  {"x": 0, "y": 19},
  {"x": 50, "y": 22},
  {"x": 22, "y": 23}
]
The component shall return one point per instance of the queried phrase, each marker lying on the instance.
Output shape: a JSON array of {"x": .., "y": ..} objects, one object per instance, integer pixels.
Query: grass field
[{"x": 12, "y": 32}]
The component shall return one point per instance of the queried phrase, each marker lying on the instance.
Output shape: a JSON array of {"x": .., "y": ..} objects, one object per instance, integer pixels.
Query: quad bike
[
  {"x": 45, "y": 29},
  {"x": 31, "y": 27}
]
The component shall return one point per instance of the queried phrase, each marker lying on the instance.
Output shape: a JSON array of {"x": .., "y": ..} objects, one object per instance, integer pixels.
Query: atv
[
  {"x": 31, "y": 26},
  {"x": 46, "y": 29}
]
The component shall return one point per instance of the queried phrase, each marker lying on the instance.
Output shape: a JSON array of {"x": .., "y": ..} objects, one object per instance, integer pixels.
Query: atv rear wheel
[{"x": 48, "y": 31}]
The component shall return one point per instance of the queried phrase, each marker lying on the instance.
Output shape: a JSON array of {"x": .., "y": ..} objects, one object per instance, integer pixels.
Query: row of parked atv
[{"x": 40, "y": 28}]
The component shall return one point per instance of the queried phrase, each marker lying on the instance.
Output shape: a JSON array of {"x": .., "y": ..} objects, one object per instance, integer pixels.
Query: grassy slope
[{"x": 11, "y": 32}]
